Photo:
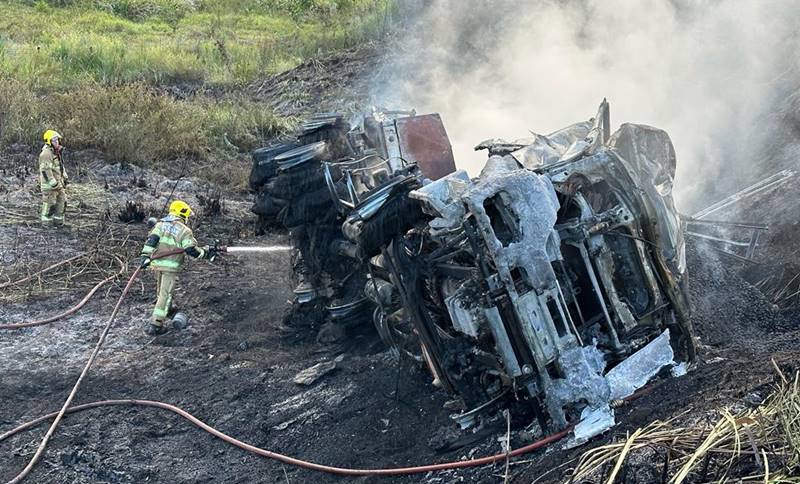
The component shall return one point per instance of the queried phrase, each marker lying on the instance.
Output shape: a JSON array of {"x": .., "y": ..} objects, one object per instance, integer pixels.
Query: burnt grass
[{"x": 233, "y": 368}]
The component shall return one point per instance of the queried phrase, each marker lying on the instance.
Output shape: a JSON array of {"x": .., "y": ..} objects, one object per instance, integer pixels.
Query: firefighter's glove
[
  {"x": 145, "y": 261},
  {"x": 210, "y": 253}
]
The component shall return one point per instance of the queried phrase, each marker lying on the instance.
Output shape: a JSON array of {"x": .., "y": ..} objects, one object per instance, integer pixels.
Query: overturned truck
[{"x": 555, "y": 280}]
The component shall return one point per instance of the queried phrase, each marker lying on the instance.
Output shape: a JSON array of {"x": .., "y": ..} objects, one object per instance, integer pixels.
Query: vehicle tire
[
  {"x": 397, "y": 216},
  {"x": 307, "y": 208},
  {"x": 264, "y": 165},
  {"x": 267, "y": 205},
  {"x": 293, "y": 184}
]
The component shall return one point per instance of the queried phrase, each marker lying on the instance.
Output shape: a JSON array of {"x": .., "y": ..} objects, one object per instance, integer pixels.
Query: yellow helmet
[
  {"x": 49, "y": 135},
  {"x": 180, "y": 209}
]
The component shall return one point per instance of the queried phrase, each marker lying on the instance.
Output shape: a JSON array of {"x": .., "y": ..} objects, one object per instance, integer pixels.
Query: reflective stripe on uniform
[
  {"x": 166, "y": 263},
  {"x": 172, "y": 234}
]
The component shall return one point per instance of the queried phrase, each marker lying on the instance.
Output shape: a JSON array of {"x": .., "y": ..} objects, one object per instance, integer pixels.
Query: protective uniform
[
  {"x": 52, "y": 180},
  {"x": 170, "y": 233}
]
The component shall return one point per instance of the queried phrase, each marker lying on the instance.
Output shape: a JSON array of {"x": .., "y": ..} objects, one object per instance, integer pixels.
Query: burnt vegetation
[{"x": 440, "y": 315}]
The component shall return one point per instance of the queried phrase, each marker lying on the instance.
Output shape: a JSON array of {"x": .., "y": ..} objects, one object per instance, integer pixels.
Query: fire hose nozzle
[{"x": 219, "y": 248}]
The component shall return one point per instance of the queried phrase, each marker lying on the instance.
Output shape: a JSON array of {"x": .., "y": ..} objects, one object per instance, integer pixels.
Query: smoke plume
[{"x": 715, "y": 74}]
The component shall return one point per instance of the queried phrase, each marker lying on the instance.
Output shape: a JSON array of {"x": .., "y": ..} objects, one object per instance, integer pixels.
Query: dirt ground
[{"x": 233, "y": 366}]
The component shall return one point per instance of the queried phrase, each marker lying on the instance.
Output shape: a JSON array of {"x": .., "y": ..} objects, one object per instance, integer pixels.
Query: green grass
[
  {"x": 94, "y": 70},
  {"x": 132, "y": 123},
  {"x": 164, "y": 41}
]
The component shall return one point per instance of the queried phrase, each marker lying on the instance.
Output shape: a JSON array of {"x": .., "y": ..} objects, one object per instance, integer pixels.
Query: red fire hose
[
  {"x": 68, "y": 312},
  {"x": 291, "y": 460},
  {"x": 24, "y": 473},
  {"x": 65, "y": 409},
  {"x": 46, "y": 269}
]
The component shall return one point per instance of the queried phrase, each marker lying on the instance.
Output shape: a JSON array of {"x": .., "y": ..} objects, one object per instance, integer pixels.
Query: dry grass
[
  {"x": 95, "y": 70},
  {"x": 105, "y": 256},
  {"x": 133, "y": 123},
  {"x": 761, "y": 444}
]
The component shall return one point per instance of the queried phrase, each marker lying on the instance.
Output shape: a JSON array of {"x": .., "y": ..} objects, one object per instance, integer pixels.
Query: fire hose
[
  {"x": 70, "y": 311},
  {"x": 46, "y": 269},
  {"x": 66, "y": 408},
  {"x": 82, "y": 302},
  {"x": 40, "y": 450},
  {"x": 291, "y": 460}
]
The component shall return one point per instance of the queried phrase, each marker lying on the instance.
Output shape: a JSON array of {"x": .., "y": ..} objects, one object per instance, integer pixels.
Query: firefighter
[
  {"x": 170, "y": 233},
  {"x": 52, "y": 180}
]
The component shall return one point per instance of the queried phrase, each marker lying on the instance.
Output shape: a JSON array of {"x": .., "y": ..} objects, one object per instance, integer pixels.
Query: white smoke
[{"x": 709, "y": 72}]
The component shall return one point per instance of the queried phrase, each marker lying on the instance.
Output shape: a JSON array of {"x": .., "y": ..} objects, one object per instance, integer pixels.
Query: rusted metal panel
[{"x": 423, "y": 140}]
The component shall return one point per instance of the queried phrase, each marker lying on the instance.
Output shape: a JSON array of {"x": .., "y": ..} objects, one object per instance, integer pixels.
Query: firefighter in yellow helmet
[
  {"x": 169, "y": 233},
  {"x": 52, "y": 179}
]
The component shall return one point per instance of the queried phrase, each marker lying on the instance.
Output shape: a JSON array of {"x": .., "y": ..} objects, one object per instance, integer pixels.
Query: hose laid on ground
[
  {"x": 238, "y": 443},
  {"x": 46, "y": 269},
  {"x": 22, "y": 475},
  {"x": 302, "y": 463},
  {"x": 58, "y": 316},
  {"x": 291, "y": 460},
  {"x": 68, "y": 312}
]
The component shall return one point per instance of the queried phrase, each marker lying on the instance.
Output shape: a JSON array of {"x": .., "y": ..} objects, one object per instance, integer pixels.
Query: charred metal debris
[{"x": 554, "y": 282}]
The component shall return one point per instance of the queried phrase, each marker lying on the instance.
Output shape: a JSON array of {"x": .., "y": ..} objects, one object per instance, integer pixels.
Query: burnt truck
[{"x": 554, "y": 281}]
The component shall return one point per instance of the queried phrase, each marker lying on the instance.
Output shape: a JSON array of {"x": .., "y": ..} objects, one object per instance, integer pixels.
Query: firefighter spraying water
[{"x": 170, "y": 233}]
